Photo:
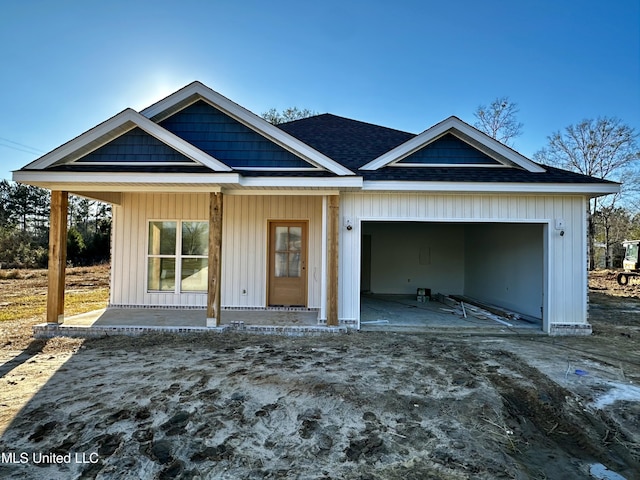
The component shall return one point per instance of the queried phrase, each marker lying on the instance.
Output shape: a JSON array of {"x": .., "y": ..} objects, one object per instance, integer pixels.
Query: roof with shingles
[
  {"x": 354, "y": 144},
  {"x": 349, "y": 142}
]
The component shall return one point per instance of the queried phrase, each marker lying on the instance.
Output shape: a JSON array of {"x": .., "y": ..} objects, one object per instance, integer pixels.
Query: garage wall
[
  {"x": 406, "y": 256},
  {"x": 504, "y": 265},
  {"x": 566, "y": 301}
]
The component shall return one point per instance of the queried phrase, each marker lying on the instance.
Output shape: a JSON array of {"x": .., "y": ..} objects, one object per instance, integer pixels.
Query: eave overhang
[
  {"x": 587, "y": 189},
  {"x": 174, "y": 182},
  {"x": 120, "y": 181}
]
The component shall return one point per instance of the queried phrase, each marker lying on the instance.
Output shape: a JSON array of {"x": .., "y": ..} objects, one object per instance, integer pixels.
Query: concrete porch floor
[
  {"x": 161, "y": 317},
  {"x": 136, "y": 321}
]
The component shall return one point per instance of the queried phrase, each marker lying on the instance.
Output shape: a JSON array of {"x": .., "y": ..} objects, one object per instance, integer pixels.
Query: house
[{"x": 214, "y": 208}]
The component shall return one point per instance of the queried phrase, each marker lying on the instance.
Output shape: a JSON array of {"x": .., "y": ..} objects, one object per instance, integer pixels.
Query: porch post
[
  {"x": 215, "y": 259},
  {"x": 332, "y": 259},
  {"x": 57, "y": 256}
]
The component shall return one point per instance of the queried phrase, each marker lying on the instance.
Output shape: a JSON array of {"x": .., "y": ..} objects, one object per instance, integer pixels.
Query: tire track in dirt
[{"x": 378, "y": 406}]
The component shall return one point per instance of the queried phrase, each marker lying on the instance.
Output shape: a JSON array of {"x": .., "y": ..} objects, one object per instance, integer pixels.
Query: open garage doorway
[{"x": 406, "y": 268}]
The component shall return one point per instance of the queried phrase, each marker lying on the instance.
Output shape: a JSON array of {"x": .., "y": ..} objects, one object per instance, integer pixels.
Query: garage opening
[{"x": 424, "y": 274}]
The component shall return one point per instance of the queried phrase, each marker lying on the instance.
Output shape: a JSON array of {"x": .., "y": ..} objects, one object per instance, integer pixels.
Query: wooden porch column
[
  {"x": 215, "y": 259},
  {"x": 333, "y": 223},
  {"x": 57, "y": 256}
]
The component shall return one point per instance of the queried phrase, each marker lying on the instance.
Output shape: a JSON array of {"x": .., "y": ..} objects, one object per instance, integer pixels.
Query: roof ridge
[{"x": 327, "y": 114}]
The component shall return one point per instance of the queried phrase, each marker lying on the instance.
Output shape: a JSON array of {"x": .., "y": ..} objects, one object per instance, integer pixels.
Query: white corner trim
[
  {"x": 451, "y": 124},
  {"x": 122, "y": 123},
  {"x": 196, "y": 90}
]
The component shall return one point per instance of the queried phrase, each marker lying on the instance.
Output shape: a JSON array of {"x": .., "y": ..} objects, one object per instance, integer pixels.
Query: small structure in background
[{"x": 630, "y": 262}]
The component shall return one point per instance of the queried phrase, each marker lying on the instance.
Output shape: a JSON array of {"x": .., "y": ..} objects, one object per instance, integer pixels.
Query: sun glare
[{"x": 152, "y": 90}]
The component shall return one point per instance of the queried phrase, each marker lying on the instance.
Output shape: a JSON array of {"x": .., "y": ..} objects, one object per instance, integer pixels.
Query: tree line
[
  {"x": 605, "y": 148},
  {"x": 24, "y": 228}
]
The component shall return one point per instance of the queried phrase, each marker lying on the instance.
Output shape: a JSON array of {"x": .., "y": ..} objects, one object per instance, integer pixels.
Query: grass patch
[
  {"x": 9, "y": 274},
  {"x": 85, "y": 300},
  {"x": 35, "y": 306}
]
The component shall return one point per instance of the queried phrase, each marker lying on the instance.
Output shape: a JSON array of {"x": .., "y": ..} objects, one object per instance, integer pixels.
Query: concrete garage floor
[{"x": 405, "y": 313}]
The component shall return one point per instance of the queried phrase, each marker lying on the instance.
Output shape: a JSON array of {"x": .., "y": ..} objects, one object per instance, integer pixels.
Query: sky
[{"x": 68, "y": 65}]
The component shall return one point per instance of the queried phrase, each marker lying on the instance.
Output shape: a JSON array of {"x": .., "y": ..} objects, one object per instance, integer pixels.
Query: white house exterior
[{"x": 214, "y": 208}]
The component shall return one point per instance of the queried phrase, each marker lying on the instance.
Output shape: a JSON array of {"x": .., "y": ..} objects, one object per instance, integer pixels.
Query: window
[{"x": 177, "y": 256}]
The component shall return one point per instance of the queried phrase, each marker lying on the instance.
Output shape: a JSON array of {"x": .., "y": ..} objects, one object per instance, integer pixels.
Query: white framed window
[{"x": 177, "y": 256}]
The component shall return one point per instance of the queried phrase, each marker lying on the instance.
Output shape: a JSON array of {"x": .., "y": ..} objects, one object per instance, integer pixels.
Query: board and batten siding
[
  {"x": 564, "y": 256},
  {"x": 244, "y": 245}
]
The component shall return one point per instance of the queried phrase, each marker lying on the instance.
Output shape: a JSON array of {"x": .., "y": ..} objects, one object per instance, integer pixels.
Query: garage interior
[{"x": 498, "y": 264}]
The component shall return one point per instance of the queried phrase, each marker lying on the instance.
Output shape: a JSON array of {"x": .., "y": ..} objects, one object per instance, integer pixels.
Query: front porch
[{"x": 134, "y": 321}]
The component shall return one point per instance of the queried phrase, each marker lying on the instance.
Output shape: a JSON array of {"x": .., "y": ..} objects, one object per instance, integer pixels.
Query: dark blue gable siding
[
  {"x": 135, "y": 146},
  {"x": 449, "y": 149},
  {"x": 228, "y": 140}
]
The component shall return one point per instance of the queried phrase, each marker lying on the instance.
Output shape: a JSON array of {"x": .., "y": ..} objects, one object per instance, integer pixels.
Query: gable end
[
  {"x": 230, "y": 141},
  {"x": 135, "y": 147},
  {"x": 447, "y": 150}
]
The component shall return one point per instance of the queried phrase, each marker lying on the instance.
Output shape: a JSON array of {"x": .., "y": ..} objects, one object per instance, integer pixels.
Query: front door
[{"x": 287, "y": 263}]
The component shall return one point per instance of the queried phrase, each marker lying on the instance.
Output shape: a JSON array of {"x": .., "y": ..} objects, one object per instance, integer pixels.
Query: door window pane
[
  {"x": 281, "y": 264},
  {"x": 282, "y": 239},
  {"x": 195, "y": 238},
  {"x": 295, "y": 239},
  {"x": 194, "y": 274},
  {"x": 294, "y": 265},
  {"x": 162, "y": 274},
  {"x": 162, "y": 238}
]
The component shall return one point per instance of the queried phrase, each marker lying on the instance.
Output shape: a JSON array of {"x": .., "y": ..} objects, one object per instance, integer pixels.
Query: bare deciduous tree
[
  {"x": 605, "y": 148},
  {"x": 498, "y": 120},
  {"x": 287, "y": 115}
]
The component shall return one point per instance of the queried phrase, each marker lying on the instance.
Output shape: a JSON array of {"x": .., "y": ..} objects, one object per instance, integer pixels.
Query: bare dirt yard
[{"x": 369, "y": 405}]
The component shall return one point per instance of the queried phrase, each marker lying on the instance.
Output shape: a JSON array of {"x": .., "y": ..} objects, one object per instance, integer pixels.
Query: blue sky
[{"x": 69, "y": 65}]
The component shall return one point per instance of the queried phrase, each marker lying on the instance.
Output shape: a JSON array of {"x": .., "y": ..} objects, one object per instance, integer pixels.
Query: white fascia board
[
  {"x": 302, "y": 182},
  {"x": 197, "y": 90},
  {"x": 94, "y": 180},
  {"x": 104, "y": 188},
  {"x": 454, "y": 124},
  {"x": 122, "y": 123},
  {"x": 591, "y": 189}
]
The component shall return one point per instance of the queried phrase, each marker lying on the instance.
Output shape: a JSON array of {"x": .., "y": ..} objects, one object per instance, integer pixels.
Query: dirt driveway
[{"x": 369, "y": 405}]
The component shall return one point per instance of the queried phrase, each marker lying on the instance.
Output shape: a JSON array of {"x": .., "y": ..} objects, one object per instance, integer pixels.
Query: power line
[{"x": 20, "y": 146}]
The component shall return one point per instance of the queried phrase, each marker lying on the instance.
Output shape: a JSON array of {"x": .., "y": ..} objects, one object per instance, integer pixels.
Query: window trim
[{"x": 177, "y": 256}]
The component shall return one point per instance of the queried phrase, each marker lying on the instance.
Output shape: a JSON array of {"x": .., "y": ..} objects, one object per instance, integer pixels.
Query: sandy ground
[{"x": 374, "y": 405}]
